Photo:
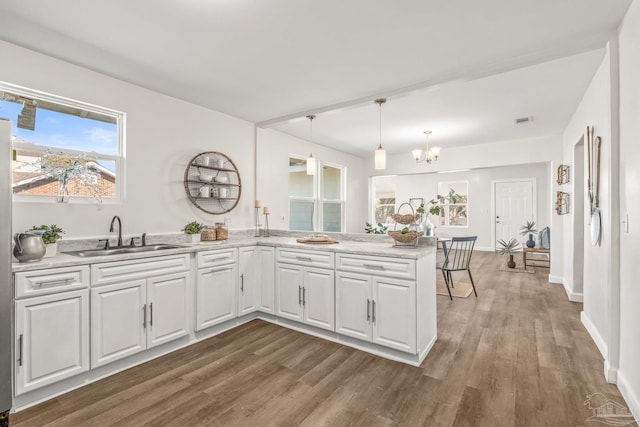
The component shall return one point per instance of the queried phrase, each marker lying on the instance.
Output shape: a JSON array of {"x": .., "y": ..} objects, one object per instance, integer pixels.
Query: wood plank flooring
[{"x": 515, "y": 356}]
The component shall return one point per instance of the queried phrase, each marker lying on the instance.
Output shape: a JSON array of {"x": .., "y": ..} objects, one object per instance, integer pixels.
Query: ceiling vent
[{"x": 523, "y": 120}]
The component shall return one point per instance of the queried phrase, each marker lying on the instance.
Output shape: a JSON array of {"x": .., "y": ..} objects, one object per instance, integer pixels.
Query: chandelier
[{"x": 429, "y": 154}]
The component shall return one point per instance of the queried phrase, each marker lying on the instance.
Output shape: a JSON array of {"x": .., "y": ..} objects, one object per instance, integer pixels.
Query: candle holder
[
  {"x": 257, "y": 223},
  {"x": 266, "y": 225}
]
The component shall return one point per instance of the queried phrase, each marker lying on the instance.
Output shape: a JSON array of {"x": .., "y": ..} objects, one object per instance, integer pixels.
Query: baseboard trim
[
  {"x": 573, "y": 296},
  {"x": 556, "y": 279},
  {"x": 630, "y": 396},
  {"x": 595, "y": 335},
  {"x": 484, "y": 248}
]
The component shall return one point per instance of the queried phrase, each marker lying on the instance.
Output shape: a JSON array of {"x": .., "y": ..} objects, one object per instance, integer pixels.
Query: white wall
[
  {"x": 629, "y": 371},
  {"x": 162, "y": 135},
  {"x": 593, "y": 110},
  {"x": 273, "y": 150},
  {"x": 481, "y": 219}
]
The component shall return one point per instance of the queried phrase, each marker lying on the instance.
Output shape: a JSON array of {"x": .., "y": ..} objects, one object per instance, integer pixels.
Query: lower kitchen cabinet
[
  {"x": 305, "y": 294},
  {"x": 377, "y": 309},
  {"x": 249, "y": 275},
  {"x": 216, "y": 290},
  {"x": 266, "y": 278},
  {"x": 52, "y": 333},
  {"x": 132, "y": 316}
]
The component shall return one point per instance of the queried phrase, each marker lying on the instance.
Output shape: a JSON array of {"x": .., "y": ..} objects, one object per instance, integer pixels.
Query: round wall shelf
[{"x": 212, "y": 183}]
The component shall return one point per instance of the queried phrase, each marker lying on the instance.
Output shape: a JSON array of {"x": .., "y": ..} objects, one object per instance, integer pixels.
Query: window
[
  {"x": 454, "y": 203},
  {"x": 385, "y": 202},
  {"x": 316, "y": 202},
  {"x": 63, "y": 150}
]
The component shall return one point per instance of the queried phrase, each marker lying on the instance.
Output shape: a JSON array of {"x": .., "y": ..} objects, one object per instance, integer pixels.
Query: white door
[
  {"x": 248, "y": 275},
  {"x": 514, "y": 206},
  {"x": 289, "y": 280},
  {"x": 215, "y": 295},
  {"x": 168, "y": 308},
  {"x": 117, "y": 321},
  {"x": 353, "y": 305},
  {"x": 52, "y": 335},
  {"x": 394, "y": 313},
  {"x": 267, "y": 279},
  {"x": 318, "y": 298}
]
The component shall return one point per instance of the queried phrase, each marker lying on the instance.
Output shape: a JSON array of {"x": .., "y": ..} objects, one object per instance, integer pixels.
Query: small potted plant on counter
[
  {"x": 50, "y": 235},
  {"x": 192, "y": 230},
  {"x": 529, "y": 228},
  {"x": 508, "y": 248}
]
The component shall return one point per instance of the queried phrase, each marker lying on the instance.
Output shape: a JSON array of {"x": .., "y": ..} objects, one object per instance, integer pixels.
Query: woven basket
[
  {"x": 405, "y": 218},
  {"x": 401, "y": 237}
]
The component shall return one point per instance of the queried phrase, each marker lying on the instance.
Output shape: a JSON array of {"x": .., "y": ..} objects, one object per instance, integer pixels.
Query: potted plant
[
  {"x": 50, "y": 235},
  {"x": 529, "y": 228},
  {"x": 508, "y": 248},
  {"x": 192, "y": 230}
]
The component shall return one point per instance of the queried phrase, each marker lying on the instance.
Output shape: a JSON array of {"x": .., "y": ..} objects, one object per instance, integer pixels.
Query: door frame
[{"x": 534, "y": 203}]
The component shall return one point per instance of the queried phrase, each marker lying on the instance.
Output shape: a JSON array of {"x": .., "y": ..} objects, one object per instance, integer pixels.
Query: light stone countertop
[{"x": 370, "y": 248}]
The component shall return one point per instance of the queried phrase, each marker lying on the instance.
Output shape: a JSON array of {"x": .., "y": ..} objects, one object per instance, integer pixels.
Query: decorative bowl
[
  {"x": 205, "y": 177},
  {"x": 222, "y": 179}
]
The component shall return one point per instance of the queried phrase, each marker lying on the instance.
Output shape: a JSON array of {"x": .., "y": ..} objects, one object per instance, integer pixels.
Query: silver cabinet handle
[
  {"x": 54, "y": 282},
  {"x": 304, "y": 296},
  {"x": 299, "y": 295},
  {"x": 150, "y": 314},
  {"x": 373, "y": 316},
  {"x": 20, "y": 350},
  {"x": 144, "y": 316},
  {"x": 304, "y": 258},
  {"x": 368, "y": 309},
  {"x": 374, "y": 266},
  {"x": 242, "y": 283}
]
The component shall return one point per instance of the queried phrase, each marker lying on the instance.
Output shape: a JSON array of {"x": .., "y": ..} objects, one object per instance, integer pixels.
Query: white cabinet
[
  {"x": 216, "y": 287},
  {"x": 139, "y": 308},
  {"x": 249, "y": 275},
  {"x": 266, "y": 278},
  {"x": 51, "y": 329},
  {"x": 377, "y": 309},
  {"x": 303, "y": 293}
]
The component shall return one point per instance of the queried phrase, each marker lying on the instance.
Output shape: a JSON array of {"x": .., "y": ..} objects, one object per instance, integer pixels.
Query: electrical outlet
[{"x": 282, "y": 220}]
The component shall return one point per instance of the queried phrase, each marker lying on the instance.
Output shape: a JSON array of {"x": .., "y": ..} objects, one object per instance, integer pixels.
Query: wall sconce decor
[
  {"x": 562, "y": 203},
  {"x": 563, "y": 174}
]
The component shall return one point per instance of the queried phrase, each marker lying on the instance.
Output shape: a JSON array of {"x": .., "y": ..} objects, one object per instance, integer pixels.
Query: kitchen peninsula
[{"x": 80, "y": 319}]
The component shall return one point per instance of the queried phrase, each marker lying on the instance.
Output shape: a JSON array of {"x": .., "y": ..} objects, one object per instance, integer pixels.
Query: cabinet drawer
[
  {"x": 118, "y": 271},
  {"x": 308, "y": 258},
  {"x": 379, "y": 266},
  {"x": 51, "y": 280},
  {"x": 217, "y": 257}
]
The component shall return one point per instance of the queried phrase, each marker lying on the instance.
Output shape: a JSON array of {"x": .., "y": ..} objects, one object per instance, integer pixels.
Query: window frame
[
  {"x": 119, "y": 158},
  {"x": 444, "y": 209},
  {"x": 318, "y": 199}
]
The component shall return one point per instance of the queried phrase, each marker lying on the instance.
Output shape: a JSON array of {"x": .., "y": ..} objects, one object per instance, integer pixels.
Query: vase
[
  {"x": 193, "y": 238},
  {"x": 511, "y": 263},
  {"x": 427, "y": 227},
  {"x": 51, "y": 250},
  {"x": 531, "y": 242}
]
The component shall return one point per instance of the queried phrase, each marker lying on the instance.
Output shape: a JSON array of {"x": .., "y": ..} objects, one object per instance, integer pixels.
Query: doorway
[{"x": 515, "y": 204}]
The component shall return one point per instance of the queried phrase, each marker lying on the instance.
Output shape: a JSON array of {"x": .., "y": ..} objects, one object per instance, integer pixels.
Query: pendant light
[
  {"x": 311, "y": 161},
  {"x": 381, "y": 155}
]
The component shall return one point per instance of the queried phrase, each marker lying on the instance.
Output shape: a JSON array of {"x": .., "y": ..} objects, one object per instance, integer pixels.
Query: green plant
[
  {"x": 194, "y": 227},
  {"x": 404, "y": 230},
  {"x": 508, "y": 248},
  {"x": 51, "y": 233},
  {"x": 375, "y": 229},
  {"x": 420, "y": 209},
  {"x": 529, "y": 228}
]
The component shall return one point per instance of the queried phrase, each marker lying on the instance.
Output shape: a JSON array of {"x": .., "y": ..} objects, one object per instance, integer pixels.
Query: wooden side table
[{"x": 526, "y": 255}]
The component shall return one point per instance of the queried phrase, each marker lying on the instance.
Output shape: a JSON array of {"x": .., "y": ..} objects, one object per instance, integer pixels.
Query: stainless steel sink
[{"x": 122, "y": 250}]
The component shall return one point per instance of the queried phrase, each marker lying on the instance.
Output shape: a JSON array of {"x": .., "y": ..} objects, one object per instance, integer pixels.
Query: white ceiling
[{"x": 454, "y": 67}]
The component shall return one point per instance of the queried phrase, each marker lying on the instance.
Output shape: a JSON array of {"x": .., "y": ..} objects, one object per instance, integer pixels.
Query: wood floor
[{"x": 515, "y": 356}]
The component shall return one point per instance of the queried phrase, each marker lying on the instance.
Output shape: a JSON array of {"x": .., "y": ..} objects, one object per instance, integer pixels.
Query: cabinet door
[
  {"x": 318, "y": 298},
  {"x": 247, "y": 291},
  {"x": 289, "y": 291},
  {"x": 117, "y": 321},
  {"x": 267, "y": 279},
  {"x": 394, "y": 314},
  {"x": 168, "y": 308},
  {"x": 52, "y": 335},
  {"x": 215, "y": 295},
  {"x": 353, "y": 305}
]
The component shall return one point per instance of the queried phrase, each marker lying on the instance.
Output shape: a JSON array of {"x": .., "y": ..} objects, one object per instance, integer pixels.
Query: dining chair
[{"x": 457, "y": 258}]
